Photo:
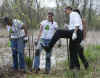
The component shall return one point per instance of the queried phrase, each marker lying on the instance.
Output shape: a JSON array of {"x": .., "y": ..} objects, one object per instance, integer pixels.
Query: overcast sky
[
  {"x": 48, "y": 3},
  {"x": 1, "y": 2},
  {"x": 44, "y": 3},
  {"x": 52, "y": 3}
]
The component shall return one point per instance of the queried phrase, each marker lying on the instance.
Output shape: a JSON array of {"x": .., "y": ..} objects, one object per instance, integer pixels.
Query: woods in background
[{"x": 31, "y": 12}]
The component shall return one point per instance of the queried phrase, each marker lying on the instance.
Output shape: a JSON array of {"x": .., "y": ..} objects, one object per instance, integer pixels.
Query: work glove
[
  {"x": 82, "y": 43},
  {"x": 74, "y": 35}
]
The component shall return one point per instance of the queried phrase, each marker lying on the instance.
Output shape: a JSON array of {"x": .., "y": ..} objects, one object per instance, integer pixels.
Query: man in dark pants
[
  {"x": 81, "y": 49},
  {"x": 76, "y": 50},
  {"x": 74, "y": 33}
]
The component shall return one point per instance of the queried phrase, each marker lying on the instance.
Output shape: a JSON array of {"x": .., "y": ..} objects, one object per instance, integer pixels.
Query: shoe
[
  {"x": 36, "y": 70},
  {"x": 78, "y": 68},
  {"x": 86, "y": 66},
  {"x": 74, "y": 67},
  {"x": 23, "y": 71},
  {"x": 46, "y": 72},
  {"x": 13, "y": 69},
  {"x": 71, "y": 67}
]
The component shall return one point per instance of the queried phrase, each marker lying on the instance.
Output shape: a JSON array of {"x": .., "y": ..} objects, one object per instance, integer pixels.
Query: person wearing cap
[
  {"x": 17, "y": 32},
  {"x": 74, "y": 33},
  {"x": 47, "y": 30}
]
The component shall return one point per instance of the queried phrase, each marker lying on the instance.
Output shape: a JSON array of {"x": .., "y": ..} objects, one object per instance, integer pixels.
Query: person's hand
[
  {"x": 74, "y": 36},
  {"x": 36, "y": 41},
  {"x": 82, "y": 43},
  {"x": 25, "y": 39},
  {"x": 65, "y": 26}
]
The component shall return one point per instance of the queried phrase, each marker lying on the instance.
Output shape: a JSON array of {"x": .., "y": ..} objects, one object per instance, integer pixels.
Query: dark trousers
[
  {"x": 82, "y": 57},
  {"x": 76, "y": 51},
  {"x": 74, "y": 46},
  {"x": 74, "y": 62},
  {"x": 64, "y": 34}
]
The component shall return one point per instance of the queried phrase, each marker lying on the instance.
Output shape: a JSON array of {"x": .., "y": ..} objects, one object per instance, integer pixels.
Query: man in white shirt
[
  {"x": 80, "y": 51},
  {"x": 47, "y": 30},
  {"x": 74, "y": 33},
  {"x": 75, "y": 23},
  {"x": 17, "y": 32}
]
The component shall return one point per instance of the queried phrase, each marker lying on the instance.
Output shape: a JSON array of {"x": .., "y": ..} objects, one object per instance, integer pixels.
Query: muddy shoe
[
  {"x": 22, "y": 71},
  {"x": 12, "y": 70},
  {"x": 36, "y": 71},
  {"x": 46, "y": 72},
  {"x": 86, "y": 66}
]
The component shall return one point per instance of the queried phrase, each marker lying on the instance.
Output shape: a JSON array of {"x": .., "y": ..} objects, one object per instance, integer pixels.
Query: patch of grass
[
  {"x": 28, "y": 61},
  {"x": 93, "y": 55}
]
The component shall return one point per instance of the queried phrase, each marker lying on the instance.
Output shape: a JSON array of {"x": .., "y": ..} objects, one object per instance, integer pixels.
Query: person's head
[
  {"x": 68, "y": 10},
  {"x": 50, "y": 16},
  {"x": 7, "y": 21}
]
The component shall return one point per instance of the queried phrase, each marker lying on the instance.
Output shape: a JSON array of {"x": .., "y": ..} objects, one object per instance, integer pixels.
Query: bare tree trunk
[
  {"x": 84, "y": 7},
  {"x": 90, "y": 12},
  {"x": 38, "y": 10}
]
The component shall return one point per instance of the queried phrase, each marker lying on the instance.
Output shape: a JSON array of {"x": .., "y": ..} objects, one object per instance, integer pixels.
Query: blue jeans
[
  {"x": 37, "y": 55},
  {"x": 17, "y": 46}
]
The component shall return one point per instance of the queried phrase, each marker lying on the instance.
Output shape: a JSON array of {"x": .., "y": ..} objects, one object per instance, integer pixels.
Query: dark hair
[
  {"x": 7, "y": 20},
  {"x": 69, "y": 8},
  {"x": 50, "y": 13},
  {"x": 78, "y": 11}
]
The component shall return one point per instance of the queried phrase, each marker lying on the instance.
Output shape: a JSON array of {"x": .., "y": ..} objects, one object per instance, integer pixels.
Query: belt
[{"x": 17, "y": 38}]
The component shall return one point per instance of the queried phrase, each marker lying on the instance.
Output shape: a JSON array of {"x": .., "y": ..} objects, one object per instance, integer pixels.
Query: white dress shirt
[{"x": 75, "y": 20}]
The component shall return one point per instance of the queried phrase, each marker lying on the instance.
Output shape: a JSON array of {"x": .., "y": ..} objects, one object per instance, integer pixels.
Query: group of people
[{"x": 48, "y": 36}]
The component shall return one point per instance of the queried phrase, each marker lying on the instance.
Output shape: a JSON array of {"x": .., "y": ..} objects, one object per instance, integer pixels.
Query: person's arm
[
  {"x": 40, "y": 32},
  {"x": 23, "y": 26},
  {"x": 9, "y": 31},
  {"x": 25, "y": 29}
]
